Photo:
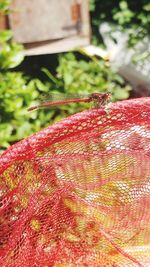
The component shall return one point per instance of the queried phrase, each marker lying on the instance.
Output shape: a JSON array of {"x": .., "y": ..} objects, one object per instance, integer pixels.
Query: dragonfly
[{"x": 99, "y": 100}]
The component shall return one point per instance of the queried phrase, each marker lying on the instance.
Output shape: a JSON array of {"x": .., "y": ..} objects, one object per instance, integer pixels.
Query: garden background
[{"x": 23, "y": 80}]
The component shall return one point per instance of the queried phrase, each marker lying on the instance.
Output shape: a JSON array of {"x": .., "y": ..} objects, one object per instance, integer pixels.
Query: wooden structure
[{"x": 50, "y": 26}]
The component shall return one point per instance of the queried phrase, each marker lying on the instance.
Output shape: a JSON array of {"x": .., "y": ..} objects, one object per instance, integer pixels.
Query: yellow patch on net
[
  {"x": 9, "y": 181},
  {"x": 72, "y": 238},
  {"x": 24, "y": 201},
  {"x": 89, "y": 211},
  {"x": 42, "y": 239},
  {"x": 35, "y": 225},
  {"x": 115, "y": 165}
]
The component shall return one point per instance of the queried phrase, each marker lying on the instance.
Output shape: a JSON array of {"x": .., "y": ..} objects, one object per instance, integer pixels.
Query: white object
[{"x": 121, "y": 57}]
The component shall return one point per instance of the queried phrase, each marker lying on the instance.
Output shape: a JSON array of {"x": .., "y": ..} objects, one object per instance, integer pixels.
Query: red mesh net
[{"x": 78, "y": 192}]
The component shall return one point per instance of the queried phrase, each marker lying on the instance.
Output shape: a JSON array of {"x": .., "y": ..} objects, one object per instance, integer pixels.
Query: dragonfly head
[{"x": 100, "y": 99}]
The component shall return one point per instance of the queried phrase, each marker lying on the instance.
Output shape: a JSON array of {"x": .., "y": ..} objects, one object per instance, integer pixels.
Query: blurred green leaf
[
  {"x": 123, "y": 5},
  {"x": 146, "y": 7},
  {"x": 68, "y": 79},
  {"x": 11, "y": 55},
  {"x": 5, "y": 36},
  {"x": 121, "y": 94},
  {"x": 4, "y": 5},
  {"x": 50, "y": 76}
]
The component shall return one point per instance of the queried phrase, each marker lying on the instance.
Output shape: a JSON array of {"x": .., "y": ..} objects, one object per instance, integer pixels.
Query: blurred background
[{"x": 71, "y": 47}]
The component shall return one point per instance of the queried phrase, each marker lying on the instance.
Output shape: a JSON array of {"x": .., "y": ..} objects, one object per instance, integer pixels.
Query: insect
[{"x": 99, "y": 99}]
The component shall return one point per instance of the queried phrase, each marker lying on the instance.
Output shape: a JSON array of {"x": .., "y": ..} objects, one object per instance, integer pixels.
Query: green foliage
[
  {"x": 94, "y": 75},
  {"x": 124, "y": 15},
  {"x": 128, "y": 14},
  {"x": 17, "y": 93}
]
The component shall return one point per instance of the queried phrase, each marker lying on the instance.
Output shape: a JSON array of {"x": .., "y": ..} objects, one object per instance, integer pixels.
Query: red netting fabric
[{"x": 78, "y": 192}]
